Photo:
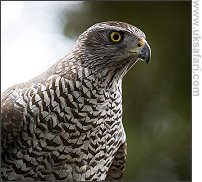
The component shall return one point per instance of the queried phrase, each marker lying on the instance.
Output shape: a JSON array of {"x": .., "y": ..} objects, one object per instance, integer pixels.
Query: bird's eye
[{"x": 116, "y": 37}]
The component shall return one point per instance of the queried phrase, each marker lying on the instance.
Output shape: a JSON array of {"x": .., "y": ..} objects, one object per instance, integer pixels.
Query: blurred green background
[{"x": 156, "y": 97}]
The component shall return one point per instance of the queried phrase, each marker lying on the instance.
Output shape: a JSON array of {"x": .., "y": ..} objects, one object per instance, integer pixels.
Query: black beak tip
[
  {"x": 145, "y": 53},
  {"x": 148, "y": 58}
]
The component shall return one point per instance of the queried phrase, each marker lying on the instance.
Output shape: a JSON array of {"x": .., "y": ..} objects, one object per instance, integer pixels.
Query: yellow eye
[{"x": 115, "y": 37}]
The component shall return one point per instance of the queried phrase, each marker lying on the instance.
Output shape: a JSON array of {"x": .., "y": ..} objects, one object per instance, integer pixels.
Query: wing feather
[
  {"x": 118, "y": 165},
  {"x": 11, "y": 117}
]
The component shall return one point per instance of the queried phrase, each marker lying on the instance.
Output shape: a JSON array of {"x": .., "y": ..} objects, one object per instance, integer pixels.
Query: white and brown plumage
[{"x": 66, "y": 124}]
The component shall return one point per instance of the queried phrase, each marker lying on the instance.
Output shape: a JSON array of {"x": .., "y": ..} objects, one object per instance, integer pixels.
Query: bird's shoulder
[{"x": 11, "y": 114}]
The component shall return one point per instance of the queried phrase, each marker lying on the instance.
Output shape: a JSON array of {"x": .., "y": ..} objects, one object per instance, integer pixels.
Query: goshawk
[{"x": 66, "y": 124}]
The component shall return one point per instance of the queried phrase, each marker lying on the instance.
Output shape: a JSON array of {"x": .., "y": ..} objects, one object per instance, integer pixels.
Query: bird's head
[{"x": 113, "y": 46}]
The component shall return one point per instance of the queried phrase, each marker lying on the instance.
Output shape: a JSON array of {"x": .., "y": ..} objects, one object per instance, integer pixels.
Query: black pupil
[{"x": 116, "y": 36}]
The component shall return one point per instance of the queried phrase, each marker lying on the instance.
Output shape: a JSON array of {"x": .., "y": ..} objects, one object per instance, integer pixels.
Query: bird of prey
[{"x": 66, "y": 124}]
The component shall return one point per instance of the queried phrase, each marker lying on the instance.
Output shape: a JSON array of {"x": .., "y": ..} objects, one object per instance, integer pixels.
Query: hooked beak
[{"x": 145, "y": 53}]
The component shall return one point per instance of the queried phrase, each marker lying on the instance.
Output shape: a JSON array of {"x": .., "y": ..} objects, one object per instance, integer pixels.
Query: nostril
[{"x": 139, "y": 44}]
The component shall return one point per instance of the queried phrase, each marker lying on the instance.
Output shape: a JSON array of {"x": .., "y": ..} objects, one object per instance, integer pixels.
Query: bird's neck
[{"x": 100, "y": 79}]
